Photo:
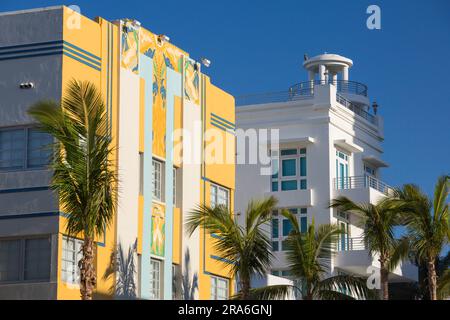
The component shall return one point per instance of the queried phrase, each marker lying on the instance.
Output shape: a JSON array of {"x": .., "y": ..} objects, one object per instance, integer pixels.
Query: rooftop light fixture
[
  {"x": 206, "y": 62},
  {"x": 163, "y": 38}
]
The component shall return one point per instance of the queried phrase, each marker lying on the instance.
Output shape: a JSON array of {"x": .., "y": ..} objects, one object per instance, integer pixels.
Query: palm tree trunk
[
  {"x": 88, "y": 277},
  {"x": 245, "y": 289},
  {"x": 432, "y": 279},
  {"x": 384, "y": 280}
]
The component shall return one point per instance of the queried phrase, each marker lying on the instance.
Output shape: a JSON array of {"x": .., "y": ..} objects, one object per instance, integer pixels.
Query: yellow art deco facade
[{"x": 166, "y": 121}]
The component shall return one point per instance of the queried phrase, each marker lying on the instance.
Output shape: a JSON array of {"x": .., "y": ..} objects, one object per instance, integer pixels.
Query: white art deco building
[{"x": 330, "y": 145}]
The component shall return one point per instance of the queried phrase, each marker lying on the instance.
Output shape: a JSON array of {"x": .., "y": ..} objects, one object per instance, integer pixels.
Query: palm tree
[
  {"x": 83, "y": 174},
  {"x": 427, "y": 222},
  {"x": 379, "y": 221},
  {"x": 309, "y": 255},
  {"x": 248, "y": 246}
]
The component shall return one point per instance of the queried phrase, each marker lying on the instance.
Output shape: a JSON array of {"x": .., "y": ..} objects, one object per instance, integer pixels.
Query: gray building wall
[{"x": 27, "y": 206}]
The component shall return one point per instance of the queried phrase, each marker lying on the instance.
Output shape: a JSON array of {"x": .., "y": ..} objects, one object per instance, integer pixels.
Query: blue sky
[{"x": 258, "y": 46}]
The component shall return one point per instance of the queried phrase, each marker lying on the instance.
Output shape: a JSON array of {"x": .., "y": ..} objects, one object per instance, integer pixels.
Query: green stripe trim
[
  {"x": 28, "y": 189},
  {"x": 223, "y": 128},
  {"x": 98, "y": 64},
  {"x": 31, "y": 50},
  {"x": 32, "y": 55},
  {"x": 31, "y": 45},
  {"x": 82, "y": 50},
  {"x": 223, "y": 119},
  {"x": 82, "y": 61},
  {"x": 222, "y": 124}
]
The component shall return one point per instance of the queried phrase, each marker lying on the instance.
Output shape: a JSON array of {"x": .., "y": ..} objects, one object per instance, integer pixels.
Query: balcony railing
[
  {"x": 362, "y": 182},
  {"x": 342, "y": 86},
  {"x": 271, "y": 97},
  {"x": 346, "y": 243},
  {"x": 356, "y": 109}
]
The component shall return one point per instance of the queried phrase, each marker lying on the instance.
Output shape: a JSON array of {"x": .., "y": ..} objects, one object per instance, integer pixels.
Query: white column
[
  {"x": 345, "y": 74},
  {"x": 322, "y": 72},
  {"x": 311, "y": 76},
  {"x": 334, "y": 78}
]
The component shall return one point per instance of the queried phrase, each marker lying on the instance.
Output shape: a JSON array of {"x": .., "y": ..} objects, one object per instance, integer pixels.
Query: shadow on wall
[
  {"x": 189, "y": 287},
  {"x": 124, "y": 266}
]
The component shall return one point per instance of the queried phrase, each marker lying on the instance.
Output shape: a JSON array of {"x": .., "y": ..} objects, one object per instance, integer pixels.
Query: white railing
[
  {"x": 362, "y": 182},
  {"x": 346, "y": 243}
]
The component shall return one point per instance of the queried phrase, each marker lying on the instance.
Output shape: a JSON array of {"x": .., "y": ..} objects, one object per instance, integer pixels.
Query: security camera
[{"x": 26, "y": 85}]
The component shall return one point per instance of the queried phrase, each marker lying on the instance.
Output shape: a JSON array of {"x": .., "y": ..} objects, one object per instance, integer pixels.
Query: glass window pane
[
  {"x": 72, "y": 254},
  {"x": 288, "y": 152},
  {"x": 287, "y": 227},
  {"x": 275, "y": 246},
  {"x": 155, "y": 279},
  {"x": 9, "y": 260},
  {"x": 303, "y": 224},
  {"x": 289, "y": 185},
  {"x": 303, "y": 151},
  {"x": 213, "y": 196},
  {"x": 157, "y": 176},
  {"x": 288, "y": 167},
  {"x": 219, "y": 288},
  {"x": 222, "y": 198},
  {"x": 39, "y": 148},
  {"x": 37, "y": 259},
  {"x": 275, "y": 228},
  {"x": 303, "y": 166},
  {"x": 274, "y": 186},
  {"x": 12, "y": 149},
  {"x": 302, "y": 184},
  {"x": 275, "y": 169},
  {"x": 303, "y": 210}
]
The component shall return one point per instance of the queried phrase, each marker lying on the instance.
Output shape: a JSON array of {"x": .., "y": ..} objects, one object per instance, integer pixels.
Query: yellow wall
[
  {"x": 218, "y": 102},
  {"x": 92, "y": 37}
]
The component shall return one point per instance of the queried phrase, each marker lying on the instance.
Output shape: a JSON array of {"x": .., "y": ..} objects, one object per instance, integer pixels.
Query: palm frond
[
  {"x": 343, "y": 285},
  {"x": 245, "y": 250},
  {"x": 443, "y": 289},
  {"x": 400, "y": 252},
  {"x": 275, "y": 292},
  {"x": 83, "y": 172}
]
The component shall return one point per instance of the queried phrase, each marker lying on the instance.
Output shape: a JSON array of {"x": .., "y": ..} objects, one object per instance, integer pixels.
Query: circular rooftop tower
[
  {"x": 328, "y": 65},
  {"x": 333, "y": 69}
]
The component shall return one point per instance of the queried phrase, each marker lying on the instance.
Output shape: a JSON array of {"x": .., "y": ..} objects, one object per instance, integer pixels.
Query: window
[
  {"x": 9, "y": 260},
  {"x": 371, "y": 171},
  {"x": 38, "y": 150},
  {"x": 12, "y": 149},
  {"x": 157, "y": 180},
  {"x": 25, "y": 259},
  {"x": 289, "y": 171},
  {"x": 219, "y": 288},
  {"x": 342, "y": 178},
  {"x": 37, "y": 259},
  {"x": 155, "y": 279},
  {"x": 24, "y": 148},
  {"x": 71, "y": 254},
  {"x": 219, "y": 196},
  {"x": 279, "y": 237},
  {"x": 281, "y": 273}
]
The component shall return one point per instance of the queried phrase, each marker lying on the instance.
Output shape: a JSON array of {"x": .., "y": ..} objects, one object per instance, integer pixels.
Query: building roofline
[{"x": 7, "y": 13}]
